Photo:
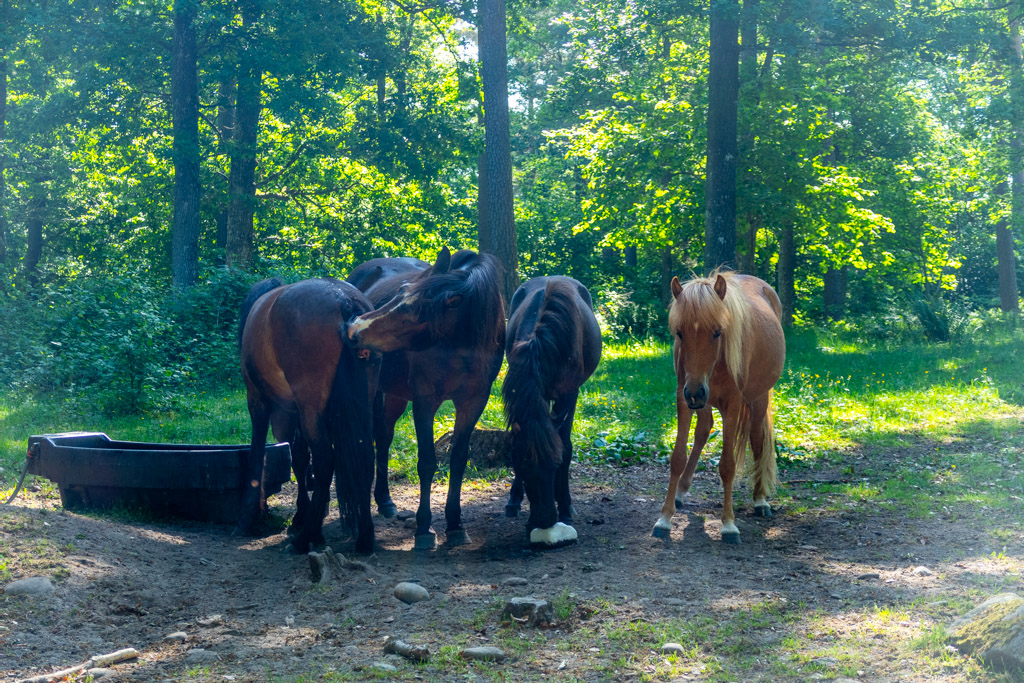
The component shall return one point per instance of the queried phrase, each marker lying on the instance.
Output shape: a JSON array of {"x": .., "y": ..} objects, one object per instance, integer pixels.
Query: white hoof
[
  {"x": 662, "y": 529},
  {"x": 559, "y": 534}
]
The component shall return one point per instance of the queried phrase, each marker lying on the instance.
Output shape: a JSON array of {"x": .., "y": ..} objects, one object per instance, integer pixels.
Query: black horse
[
  {"x": 553, "y": 345},
  {"x": 306, "y": 380},
  {"x": 441, "y": 329}
]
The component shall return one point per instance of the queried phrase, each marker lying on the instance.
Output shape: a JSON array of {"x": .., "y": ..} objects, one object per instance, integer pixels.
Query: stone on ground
[
  {"x": 411, "y": 592},
  {"x": 531, "y": 611}
]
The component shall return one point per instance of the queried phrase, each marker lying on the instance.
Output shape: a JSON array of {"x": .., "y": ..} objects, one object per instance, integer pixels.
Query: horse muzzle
[{"x": 696, "y": 399}]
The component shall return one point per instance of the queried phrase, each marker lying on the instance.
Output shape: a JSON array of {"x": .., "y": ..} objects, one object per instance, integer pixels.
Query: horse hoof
[
  {"x": 732, "y": 538},
  {"x": 457, "y": 537},
  {"x": 512, "y": 511},
  {"x": 387, "y": 510},
  {"x": 558, "y": 535},
  {"x": 662, "y": 532},
  {"x": 427, "y": 541},
  {"x": 763, "y": 511}
]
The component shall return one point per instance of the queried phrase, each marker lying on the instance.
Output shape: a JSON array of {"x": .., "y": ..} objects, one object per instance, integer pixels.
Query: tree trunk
[
  {"x": 3, "y": 158},
  {"x": 786, "y": 268},
  {"x": 185, "y": 122},
  {"x": 748, "y": 105},
  {"x": 497, "y": 140},
  {"x": 242, "y": 173},
  {"x": 631, "y": 259},
  {"x": 1006, "y": 262},
  {"x": 668, "y": 271},
  {"x": 835, "y": 293},
  {"x": 1008, "y": 292},
  {"x": 723, "y": 94},
  {"x": 226, "y": 93},
  {"x": 35, "y": 217}
]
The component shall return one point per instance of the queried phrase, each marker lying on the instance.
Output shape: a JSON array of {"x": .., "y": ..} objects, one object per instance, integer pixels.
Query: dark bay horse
[
  {"x": 729, "y": 350},
  {"x": 305, "y": 379},
  {"x": 440, "y": 329},
  {"x": 553, "y": 344}
]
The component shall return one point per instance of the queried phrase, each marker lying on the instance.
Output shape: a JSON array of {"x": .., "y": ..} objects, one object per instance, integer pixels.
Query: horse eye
[
  {"x": 717, "y": 334},
  {"x": 680, "y": 335}
]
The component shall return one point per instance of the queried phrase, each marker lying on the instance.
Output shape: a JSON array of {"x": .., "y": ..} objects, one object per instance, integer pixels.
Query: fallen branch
[
  {"x": 417, "y": 653},
  {"x": 97, "y": 661}
]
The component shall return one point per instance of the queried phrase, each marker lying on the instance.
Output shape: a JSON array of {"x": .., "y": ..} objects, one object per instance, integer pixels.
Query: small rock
[
  {"x": 201, "y": 656},
  {"x": 483, "y": 654},
  {"x": 210, "y": 621},
  {"x": 411, "y": 592},
  {"x": 531, "y": 611},
  {"x": 827, "y": 662},
  {"x": 410, "y": 523},
  {"x": 405, "y": 514},
  {"x": 672, "y": 649},
  {"x": 922, "y": 571},
  {"x": 384, "y": 666},
  {"x": 176, "y": 637},
  {"x": 98, "y": 672},
  {"x": 868, "y": 575},
  {"x": 31, "y": 585},
  {"x": 514, "y": 581}
]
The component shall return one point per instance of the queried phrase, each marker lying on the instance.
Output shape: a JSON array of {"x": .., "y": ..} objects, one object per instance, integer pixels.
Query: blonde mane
[{"x": 699, "y": 306}]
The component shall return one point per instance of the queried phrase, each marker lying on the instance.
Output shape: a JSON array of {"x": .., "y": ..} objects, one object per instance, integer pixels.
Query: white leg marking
[
  {"x": 559, "y": 533},
  {"x": 729, "y": 528}
]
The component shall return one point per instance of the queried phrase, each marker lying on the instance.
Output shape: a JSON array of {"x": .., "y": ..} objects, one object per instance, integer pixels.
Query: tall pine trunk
[
  {"x": 35, "y": 218},
  {"x": 723, "y": 95},
  {"x": 242, "y": 172},
  {"x": 3, "y": 159},
  {"x": 185, "y": 122},
  {"x": 1005, "y": 238},
  {"x": 499, "y": 213},
  {"x": 225, "y": 131},
  {"x": 785, "y": 270}
]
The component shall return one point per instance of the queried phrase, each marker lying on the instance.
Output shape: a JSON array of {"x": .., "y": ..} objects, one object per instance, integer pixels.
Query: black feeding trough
[{"x": 191, "y": 481}]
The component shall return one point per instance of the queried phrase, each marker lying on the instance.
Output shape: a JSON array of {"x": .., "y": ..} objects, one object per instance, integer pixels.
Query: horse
[
  {"x": 553, "y": 344},
  {"x": 441, "y": 331},
  {"x": 728, "y": 351},
  {"x": 305, "y": 379}
]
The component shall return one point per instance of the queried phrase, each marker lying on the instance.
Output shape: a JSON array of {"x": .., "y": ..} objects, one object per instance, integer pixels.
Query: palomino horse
[
  {"x": 305, "y": 379},
  {"x": 553, "y": 345},
  {"x": 441, "y": 330},
  {"x": 728, "y": 351}
]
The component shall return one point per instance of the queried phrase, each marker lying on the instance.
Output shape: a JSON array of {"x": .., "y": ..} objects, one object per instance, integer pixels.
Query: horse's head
[
  {"x": 699, "y": 320},
  {"x": 414, "y": 317}
]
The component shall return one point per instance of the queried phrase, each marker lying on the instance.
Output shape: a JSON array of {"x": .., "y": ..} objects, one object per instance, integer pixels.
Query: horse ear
[
  {"x": 720, "y": 287},
  {"x": 677, "y": 287},
  {"x": 443, "y": 263}
]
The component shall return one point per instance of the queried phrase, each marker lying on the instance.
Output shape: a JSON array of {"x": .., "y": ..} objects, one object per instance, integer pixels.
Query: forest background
[{"x": 158, "y": 157}]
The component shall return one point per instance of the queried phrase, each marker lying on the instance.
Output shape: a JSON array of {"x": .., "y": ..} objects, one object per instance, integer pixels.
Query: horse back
[
  {"x": 766, "y": 341},
  {"x": 380, "y": 278}
]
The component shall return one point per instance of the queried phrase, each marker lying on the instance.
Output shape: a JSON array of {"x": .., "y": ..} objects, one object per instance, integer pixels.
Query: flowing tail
[
  {"x": 350, "y": 424},
  {"x": 255, "y": 292},
  {"x": 762, "y": 467}
]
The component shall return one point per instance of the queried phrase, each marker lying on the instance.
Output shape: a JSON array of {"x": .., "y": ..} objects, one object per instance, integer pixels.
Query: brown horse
[
  {"x": 728, "y": 351},
  {"x": 303, "y": 378},
  {"x": 553, "y": 345},
  {"x": 441, "y": 330}
]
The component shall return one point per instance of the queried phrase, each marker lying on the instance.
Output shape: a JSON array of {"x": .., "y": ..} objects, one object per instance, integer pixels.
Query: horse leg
[
  {"x": 423, "y": 411},
  {"x": 285, "y": 427},
  {"x": 467, "y": 413},
  {"x": 663, "y": 527},
  {"x": 565, "y": 410},
  {"x": 252, "y": 500},
  {"x": 312, "y": 535},
  {"x": 515, "y": 498},
  {"x": 705, "y": 421},
  {"x": 731, "y": 418},
  {"x": 386, "y": 411},
  {"x": 762, "y": 444}
]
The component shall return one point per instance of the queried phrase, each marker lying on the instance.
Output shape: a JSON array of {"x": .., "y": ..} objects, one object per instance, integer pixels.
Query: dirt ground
[{"x": 823, "y": 592}]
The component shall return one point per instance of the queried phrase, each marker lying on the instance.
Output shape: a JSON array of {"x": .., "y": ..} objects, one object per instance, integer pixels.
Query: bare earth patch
[{"x": 817, "y": 595}]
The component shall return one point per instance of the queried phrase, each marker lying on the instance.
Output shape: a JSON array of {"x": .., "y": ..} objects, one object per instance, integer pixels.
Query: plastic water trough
[{"x": 197, "y": 482}]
